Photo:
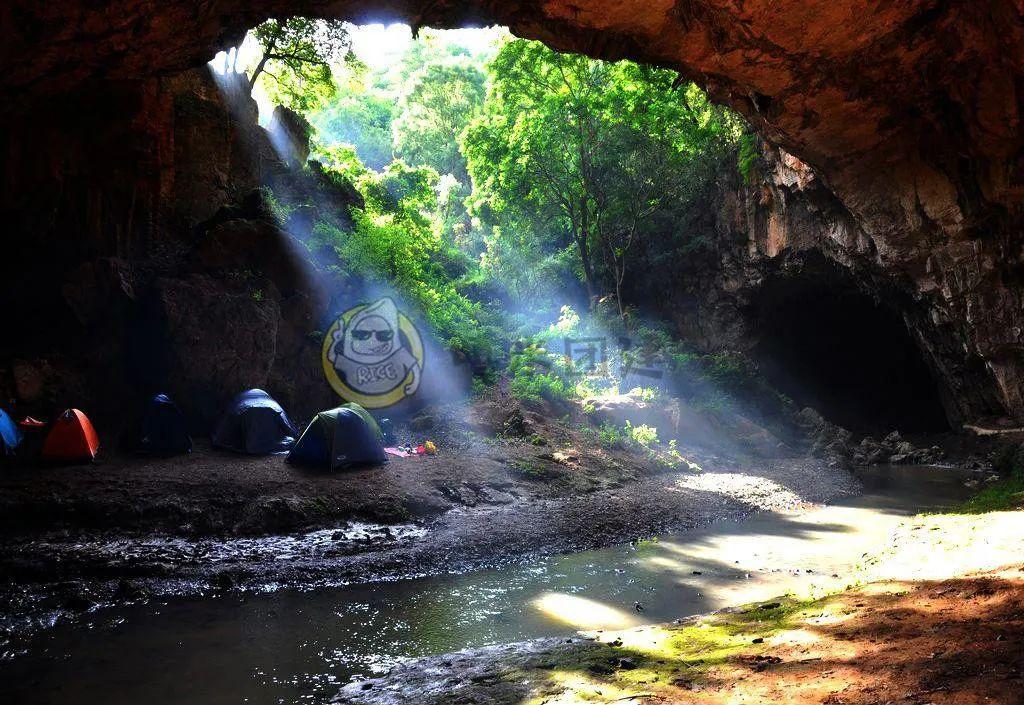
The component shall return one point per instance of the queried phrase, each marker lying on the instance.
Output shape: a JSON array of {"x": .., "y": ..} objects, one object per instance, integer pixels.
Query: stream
[{"x": 300, "y": 645}]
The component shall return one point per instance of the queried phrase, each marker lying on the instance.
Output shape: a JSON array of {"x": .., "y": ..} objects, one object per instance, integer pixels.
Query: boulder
[{"x": 825, "y": 439}]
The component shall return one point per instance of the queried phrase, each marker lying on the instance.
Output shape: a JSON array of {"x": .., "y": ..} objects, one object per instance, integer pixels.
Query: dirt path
[{"x": 931, "y": 628}]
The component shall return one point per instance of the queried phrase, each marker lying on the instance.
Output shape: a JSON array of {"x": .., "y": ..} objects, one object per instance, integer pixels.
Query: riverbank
[
  {"x": 493, "y": 452},
  {"x": 938, "y": 620}
]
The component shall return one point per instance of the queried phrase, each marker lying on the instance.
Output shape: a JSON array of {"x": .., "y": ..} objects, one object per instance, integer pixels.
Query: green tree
[
  {"x": 361, "y": 119},
  {"x": 436, "y": 104},
  {"x": 297, "y": 54},
  {"x": 588, "y": 153}
]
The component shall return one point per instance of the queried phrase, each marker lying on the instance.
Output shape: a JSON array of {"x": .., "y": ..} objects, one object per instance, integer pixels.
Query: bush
[{"x": 643, "y": 435}]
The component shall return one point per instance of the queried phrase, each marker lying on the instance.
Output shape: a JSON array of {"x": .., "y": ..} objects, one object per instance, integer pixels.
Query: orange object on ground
[
  {"x": 29, "y": 422},
  {"x": 72, "y": 438}
]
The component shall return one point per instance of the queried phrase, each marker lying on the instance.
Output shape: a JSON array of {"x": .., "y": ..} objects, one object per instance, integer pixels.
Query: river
[{"x": 299, "y": 645}]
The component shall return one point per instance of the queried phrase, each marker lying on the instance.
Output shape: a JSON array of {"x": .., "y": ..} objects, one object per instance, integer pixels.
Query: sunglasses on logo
[{"x": 382, "y": 336}]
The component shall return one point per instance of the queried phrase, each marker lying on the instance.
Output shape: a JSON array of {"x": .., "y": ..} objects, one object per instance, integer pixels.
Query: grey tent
[{"x": 255, "y": 424}]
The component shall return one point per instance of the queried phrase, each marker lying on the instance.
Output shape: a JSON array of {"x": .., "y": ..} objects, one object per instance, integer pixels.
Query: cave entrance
[{"x": 827, "y": 345}]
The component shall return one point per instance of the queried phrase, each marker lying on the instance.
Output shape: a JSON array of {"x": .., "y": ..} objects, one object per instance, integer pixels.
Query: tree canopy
[
  {"x": 589, "y": 154},
  {"x": 297, "y": 54},
  {"x": 514, "y": 181}
]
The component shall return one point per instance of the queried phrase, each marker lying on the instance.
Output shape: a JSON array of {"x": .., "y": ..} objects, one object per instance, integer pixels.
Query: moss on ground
[
  {"x": 641, "y": 662},
  {"x": 1002, "y": 495}
]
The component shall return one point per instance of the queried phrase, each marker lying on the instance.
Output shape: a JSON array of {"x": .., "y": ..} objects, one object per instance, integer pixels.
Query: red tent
[{"x": 72, "y": 438}]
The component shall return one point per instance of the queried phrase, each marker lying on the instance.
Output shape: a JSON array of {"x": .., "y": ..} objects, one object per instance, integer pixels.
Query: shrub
[
  {"x": 533, "y": 376},
  {"x": 643, "y": 435}
]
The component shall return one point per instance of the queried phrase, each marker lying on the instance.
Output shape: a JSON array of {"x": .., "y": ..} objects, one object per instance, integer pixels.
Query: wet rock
[
  {"x": 825, "y": 439},
  {"x": 895, "y": 450}
]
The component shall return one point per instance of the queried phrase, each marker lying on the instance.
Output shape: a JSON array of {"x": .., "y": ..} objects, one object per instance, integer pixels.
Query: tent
[
  {"x": 163, "y": 430},
  {"x": 256, "y": 424},
  {"x": 367, "y": 417},
  {"x": 10, "y": 436},
  {"x": 71, "y": 439},
  {"x": 338, "y": 438}
]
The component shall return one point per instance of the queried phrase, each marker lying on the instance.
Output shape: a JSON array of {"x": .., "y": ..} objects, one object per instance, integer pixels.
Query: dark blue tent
[
  {"x": 256, "y": 424},
  {"x": 338, "y": 438},
  {"x": 10, "y": 435},
  {"x": 163, "y": 431}
]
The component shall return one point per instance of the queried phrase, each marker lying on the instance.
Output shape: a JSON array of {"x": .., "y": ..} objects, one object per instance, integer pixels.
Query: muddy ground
[
  {"x": 491, "y": 454},
  {"x": 126, "y": 529}
]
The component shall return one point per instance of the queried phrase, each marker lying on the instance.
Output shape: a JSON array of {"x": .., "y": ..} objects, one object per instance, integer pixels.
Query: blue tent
[
  {"x": 339, "y": 438},
  {"x": 10, "y": 435},
  {"x": 255, "y": 424},
  {"x": 163, "y": 431}
]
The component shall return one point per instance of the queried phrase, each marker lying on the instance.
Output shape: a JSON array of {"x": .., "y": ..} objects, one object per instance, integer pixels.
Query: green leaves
[
  {"x": 589, "y": 154},
  {"x": 295, "y": 68},
  {"x": 436, "y": 104}
]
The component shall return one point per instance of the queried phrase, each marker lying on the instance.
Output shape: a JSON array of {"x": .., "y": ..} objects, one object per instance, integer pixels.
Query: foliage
[
  {"x": 533, "y": 378},
  {"x": 748, "y": 157},
  {"x": 530, "y": 469},
  {"x": 643, "y": 435},
  {"x": 518, "y": 183},
  {"x": 362, "y": 120},
  {"x": 297, "y": 55},
  {"x": 588, "y": 155},
  {"x": 396, "y": 240},
  {"x": 436, "y": 104}
]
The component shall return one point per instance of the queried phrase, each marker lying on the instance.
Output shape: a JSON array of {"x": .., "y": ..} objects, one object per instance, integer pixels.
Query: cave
[
  {"x": 905, "y": 116},
  {"x": 828, "y": 345}
]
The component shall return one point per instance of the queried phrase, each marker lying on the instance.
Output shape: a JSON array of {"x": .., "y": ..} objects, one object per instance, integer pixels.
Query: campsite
[{"x": 376, "y": 353}]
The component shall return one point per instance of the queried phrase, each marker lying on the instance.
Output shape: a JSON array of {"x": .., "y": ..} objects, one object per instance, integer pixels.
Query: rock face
[
  {"x": 903, "y": 159},
  {"x": 786, "y": 236},
  {"x": 148, "y": 260}
]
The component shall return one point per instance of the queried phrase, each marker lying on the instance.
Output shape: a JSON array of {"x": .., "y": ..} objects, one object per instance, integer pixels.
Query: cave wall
[
  {"x": 142, "y": 258},
  {"x": 900, "y": 120},
  {"x": 786, "y": 231}
]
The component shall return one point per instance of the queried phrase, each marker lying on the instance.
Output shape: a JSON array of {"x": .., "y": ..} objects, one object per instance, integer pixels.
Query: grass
[
  {"x": 1000, "y": 496},
  {"x": 530, "y": 469}
]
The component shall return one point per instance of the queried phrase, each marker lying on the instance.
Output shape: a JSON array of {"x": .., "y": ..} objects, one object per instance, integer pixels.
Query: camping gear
[
  {"x": 338, "y": 438},
  {"x": 71, "y": 439},
  {"x": 10, "y": 436},
  {"x": 163, "y": 430},
  {"x": 397, "y": 452},
  {"x": 367, "y": 417},
  {"x": 255, "y": 424}
]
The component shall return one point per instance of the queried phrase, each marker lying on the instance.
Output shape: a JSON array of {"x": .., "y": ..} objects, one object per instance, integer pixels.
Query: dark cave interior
[{"x": 830, "y": 346}]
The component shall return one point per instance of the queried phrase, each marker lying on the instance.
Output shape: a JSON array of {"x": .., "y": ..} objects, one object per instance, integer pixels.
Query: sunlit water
[{"x": 300, "y": 646}]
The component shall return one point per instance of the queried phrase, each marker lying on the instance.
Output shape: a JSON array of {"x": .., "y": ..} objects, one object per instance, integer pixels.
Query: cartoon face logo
[
  {"x": 373, "y": 355},
  {"x": 373, "y": 336}
]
